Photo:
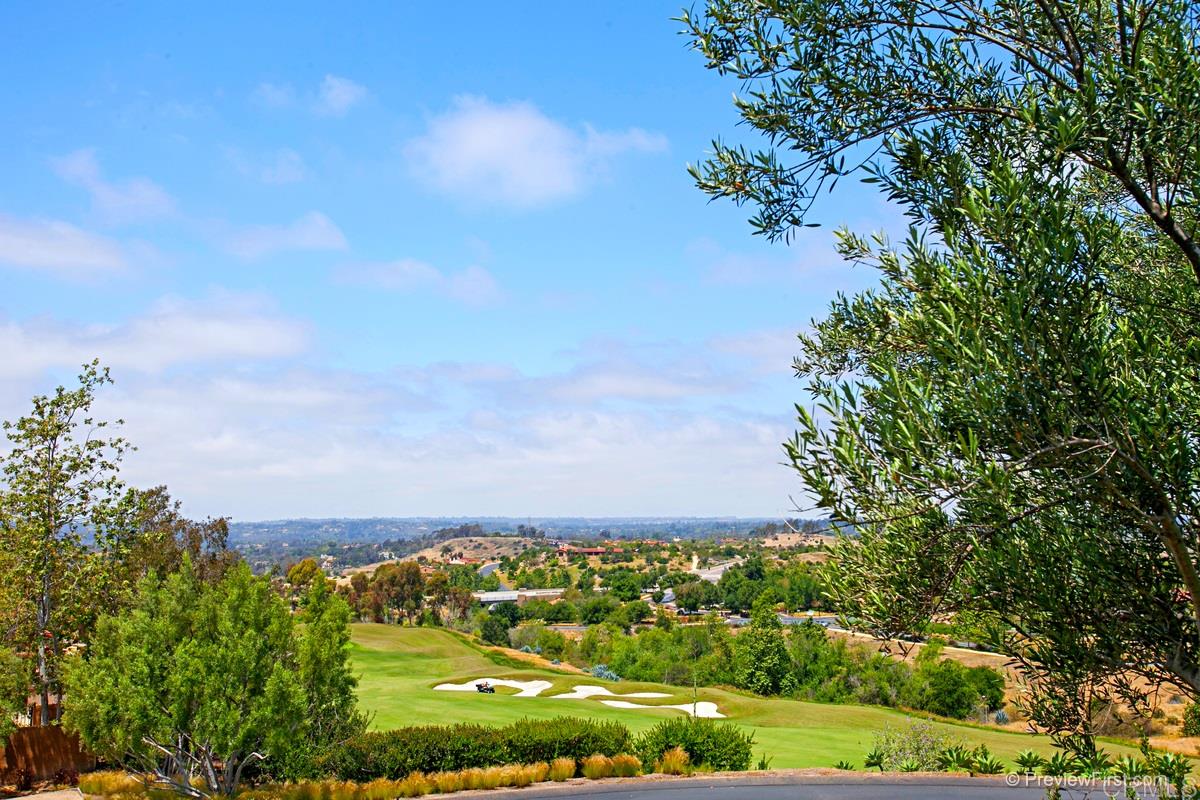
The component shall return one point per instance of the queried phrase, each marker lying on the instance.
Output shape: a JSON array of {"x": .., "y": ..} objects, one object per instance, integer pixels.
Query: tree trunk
[{"x": 43, "y": 666}]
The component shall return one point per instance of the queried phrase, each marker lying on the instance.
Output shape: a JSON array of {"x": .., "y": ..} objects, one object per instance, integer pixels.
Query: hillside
[{"x": 400, "y": 666}]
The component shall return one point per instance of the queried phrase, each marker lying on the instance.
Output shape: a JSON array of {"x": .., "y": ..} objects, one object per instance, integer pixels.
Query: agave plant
[
  {"x": 1030, "y": 762},
  {"x": 1129, "y": 767},
  {"x": 1060, "y": 765},
  {"x": 844, "y": 765},
  {"x": 955, "y": 758},
  {"x": 1098, "y": 765},
  {"x": 985, "y": 763},
  {"x": 873, "y": 760},
  {"x": 1174, "y": 767},
  {"x": 909, "y": 765}
]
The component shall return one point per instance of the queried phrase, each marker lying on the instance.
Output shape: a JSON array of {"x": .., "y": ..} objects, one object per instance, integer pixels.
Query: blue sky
[{"x": 391, "y": 259}]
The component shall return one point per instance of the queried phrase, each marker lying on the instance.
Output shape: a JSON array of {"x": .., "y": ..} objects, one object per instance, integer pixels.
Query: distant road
[
  {"x": 713, "y": 574},
  {"x": 785, "y": 787},
  {"x": 488, "y": 569}
]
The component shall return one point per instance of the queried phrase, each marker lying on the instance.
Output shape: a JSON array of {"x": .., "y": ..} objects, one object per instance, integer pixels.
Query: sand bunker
[
  {"x": 535, "y": 688},
  {"x": 702, "y": 709},
  {"x": 585, "y": 691},
  {"x": 525, "y": 688}
]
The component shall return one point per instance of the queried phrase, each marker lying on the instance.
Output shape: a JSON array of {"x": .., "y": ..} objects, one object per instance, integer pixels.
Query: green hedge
[
  {"x": 432, "y": 748},
  {"x": 718, "y": 746}
]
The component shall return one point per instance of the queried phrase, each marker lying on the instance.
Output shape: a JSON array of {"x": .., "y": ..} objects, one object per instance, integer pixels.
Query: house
[{"x": 518, "y": 596}]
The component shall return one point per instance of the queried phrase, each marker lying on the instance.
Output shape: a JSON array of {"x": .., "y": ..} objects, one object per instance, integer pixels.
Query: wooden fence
[{"x": 41, "y": 752}]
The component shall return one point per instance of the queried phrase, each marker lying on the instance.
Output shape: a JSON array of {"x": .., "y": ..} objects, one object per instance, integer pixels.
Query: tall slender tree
[{"x": 65, "y": 516}]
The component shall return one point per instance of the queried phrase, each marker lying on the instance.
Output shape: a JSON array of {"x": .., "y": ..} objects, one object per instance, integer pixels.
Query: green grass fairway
[{"x": 400, "y": 666}]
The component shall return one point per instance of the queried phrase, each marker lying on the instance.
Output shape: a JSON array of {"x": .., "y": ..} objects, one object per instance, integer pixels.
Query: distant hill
[
  {"x": 348, "y": 530},
  {"x": 355, "y": 542}
]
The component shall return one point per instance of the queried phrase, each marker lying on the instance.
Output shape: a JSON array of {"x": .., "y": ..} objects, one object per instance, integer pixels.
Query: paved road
[
  {"x": 488, "y": 569},
  {"x": 803, "y": 788},
  {"x": 713, "y": 574}
]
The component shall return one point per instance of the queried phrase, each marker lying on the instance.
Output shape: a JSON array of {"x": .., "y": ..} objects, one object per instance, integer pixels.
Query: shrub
[
  {"x": 415, "y": 785},
  {"x": 111, "y": 782},
  {"x": 538, "y": 771},
  {"x": 472, "y": 778},
  {"x": 379, "y": 789},
  {"x": 719, "y": 746},
  {"x": 492, "y": 778},
  {"x": 562, "y": 769},
  {"x": 604, "y": 673},
  {"x": 1001, "y": 717},
  {"x": 515, "y": 775},
  {"x": 447, "y": 782},
  {"x": 918, "y": 742},
  {"x": 626, "y": 766},
  {"x": 531, "y": 741},
  {"x": 1191, "y": 720},
  {"x": 345, "y": 790},
  {"x": 673, "y": 762},
  {"x": 430, "y": 749},
  {"x": 597, "y": 767}
]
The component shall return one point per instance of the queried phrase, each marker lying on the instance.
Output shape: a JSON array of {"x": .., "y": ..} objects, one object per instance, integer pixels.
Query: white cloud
[
  {"x": 336, "y": 96},
  {"x": 221, "y": 329},
  {"x": 513, "y": 154},
  {"x": 280, "y": 167},
  {"x": 764, "y": 352},
  {"x": 223, "y": 414},
  {"x": 129, "y": 201},
  {"x": 58, "y": 248},
  {"x": 473, "y": 286},
  {"x": 316, "y": 444},
  {"x": 313, "y": 231},
  {"x": 274, "y": 95}
]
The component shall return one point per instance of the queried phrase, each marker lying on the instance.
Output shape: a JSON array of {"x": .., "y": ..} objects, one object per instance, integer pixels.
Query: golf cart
[{"x": 485, "y": 688}]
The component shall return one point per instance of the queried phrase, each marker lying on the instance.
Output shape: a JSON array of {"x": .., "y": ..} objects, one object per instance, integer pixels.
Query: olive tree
[{"x": 1009, "y": 421}]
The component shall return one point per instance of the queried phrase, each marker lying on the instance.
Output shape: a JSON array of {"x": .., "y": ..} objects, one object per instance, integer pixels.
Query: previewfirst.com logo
[{"x": 1149, "y": 786}]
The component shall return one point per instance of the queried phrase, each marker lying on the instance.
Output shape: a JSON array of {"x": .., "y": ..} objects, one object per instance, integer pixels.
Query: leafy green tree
[
  {"x": 764, "y": 664},
  {"x": 597, "y": 609},
  {"x": 437, "y": 587},
  {"x": 942, "y": 686},
  {"x": 303, "y": 574},
  {"x": 623, "y": 584},
  {"x": 508, "y": 612},
  {"x": 400, "y": 587},
  {"x": 165, "y": 537},
  {"x": 494, "y": 630},
  {"x": 66, "y": 520},
  {"x": 1009, "y": 421},
  {"x": 14, "y": 688},
  {"x": 196, "y": 682},
  {"x": 323, "y": 664},
  {"x": 694, "y": 595}
]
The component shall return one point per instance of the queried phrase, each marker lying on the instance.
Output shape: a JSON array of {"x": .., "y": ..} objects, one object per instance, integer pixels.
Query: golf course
[{"x": 399, "y": 667}]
